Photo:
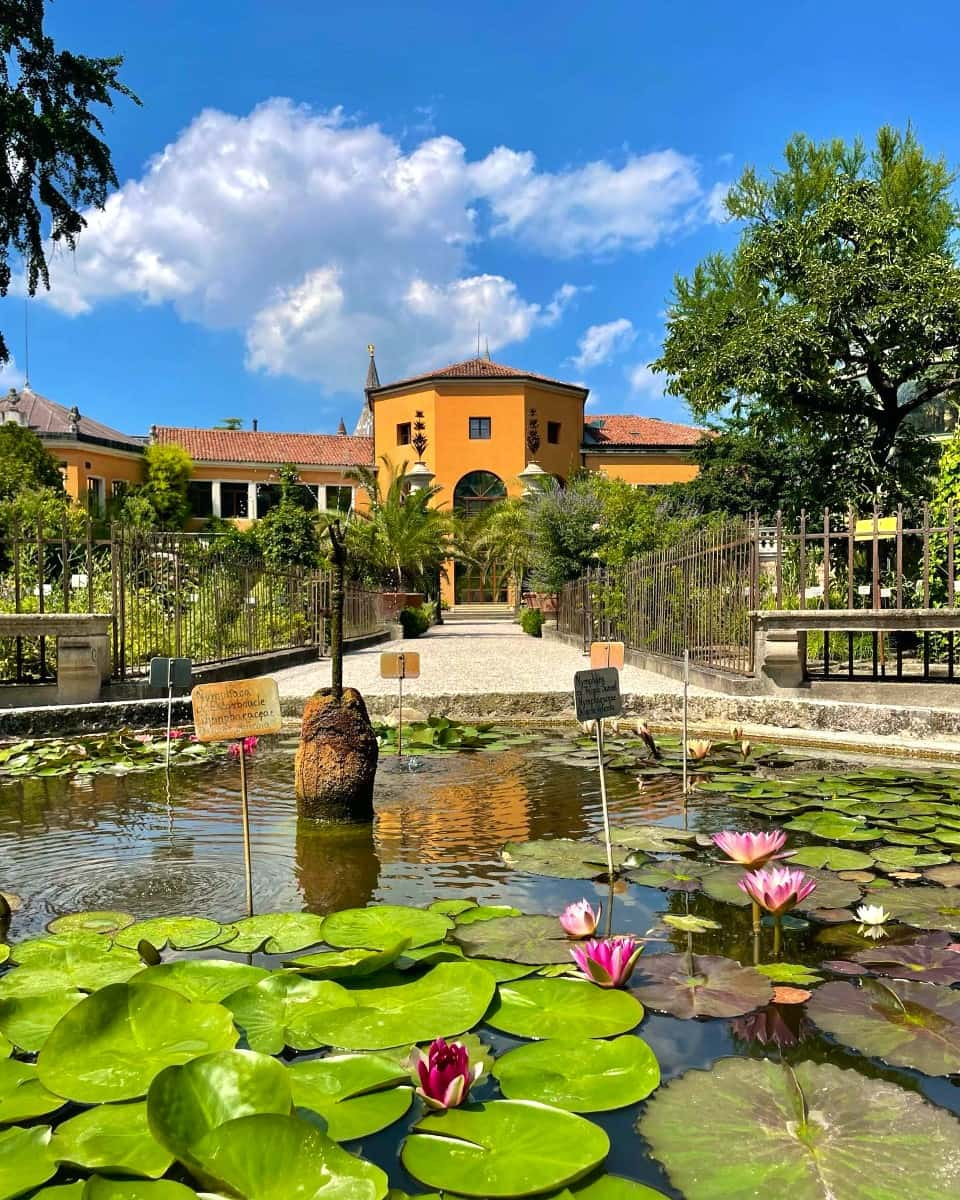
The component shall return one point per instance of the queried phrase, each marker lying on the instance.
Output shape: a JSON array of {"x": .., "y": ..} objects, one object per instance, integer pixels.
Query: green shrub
[
  {"x": 531, "y": 621},
  {"x": 414, "y": 622}
]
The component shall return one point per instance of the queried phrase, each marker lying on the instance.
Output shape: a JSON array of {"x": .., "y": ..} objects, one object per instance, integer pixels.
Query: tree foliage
[
  {"x": 836, "y": 318},
  {"x": 503, "y": 538},
  {"x": 289, "y": 534},
  {"x": 55, "y": 161},
  {"x": 25, "y": 463},
  {"x": 161, "y": 501}
]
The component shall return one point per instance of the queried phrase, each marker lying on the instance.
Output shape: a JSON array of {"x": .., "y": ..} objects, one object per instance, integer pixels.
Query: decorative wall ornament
[
  {"x": 533, "y": 433},
  {"x": 419, "y": 439}
]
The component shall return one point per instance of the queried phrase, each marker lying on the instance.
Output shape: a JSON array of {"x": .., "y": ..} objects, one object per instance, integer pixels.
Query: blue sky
[{"x": 304, "y": 178}]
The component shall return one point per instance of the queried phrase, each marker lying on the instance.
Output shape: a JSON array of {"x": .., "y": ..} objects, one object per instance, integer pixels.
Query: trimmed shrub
[
  {"x": 413, "y": 622},
  {"x": 531, "y": 621}
]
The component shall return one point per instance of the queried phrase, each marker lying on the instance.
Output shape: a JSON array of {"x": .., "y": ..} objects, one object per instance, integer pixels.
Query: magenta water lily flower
[
  {"x": 579, "y": 920},
  {"x": 777, "y": 890},
  {"x": 608, "y": 962},
  {"x": 249, "y": 745},
  {"x": 445, "y": 1074},
  {"x": 751, "y": 849}
]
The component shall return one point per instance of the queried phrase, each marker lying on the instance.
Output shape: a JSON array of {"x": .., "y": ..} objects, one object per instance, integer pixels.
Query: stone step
[{"x": 479, "y": 612}]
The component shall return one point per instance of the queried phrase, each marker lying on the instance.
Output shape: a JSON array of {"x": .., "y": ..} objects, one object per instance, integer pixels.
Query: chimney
[{"x": 256, "y": 424}]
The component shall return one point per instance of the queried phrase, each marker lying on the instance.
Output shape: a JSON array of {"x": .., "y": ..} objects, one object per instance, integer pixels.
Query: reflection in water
[{"x": 336, "y": 865}]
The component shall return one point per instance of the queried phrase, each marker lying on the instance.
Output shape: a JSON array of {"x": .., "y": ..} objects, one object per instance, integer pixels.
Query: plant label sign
[
  {"x": 227, "y": 712},
  {"x": 597, "y": 694},
  {"x": 400, "y": 664},
  {"x": 607, "y": 654},
  {"x": 171, "y": 672}
]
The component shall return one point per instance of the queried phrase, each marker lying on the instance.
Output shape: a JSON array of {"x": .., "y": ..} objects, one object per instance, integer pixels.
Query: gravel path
[{"x": 469, "y": 658}]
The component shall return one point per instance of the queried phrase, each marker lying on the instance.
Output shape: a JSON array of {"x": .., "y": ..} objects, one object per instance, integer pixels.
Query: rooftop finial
[
  {"x": 342, "y": 429},
  {"x": 373, "y": 379}
]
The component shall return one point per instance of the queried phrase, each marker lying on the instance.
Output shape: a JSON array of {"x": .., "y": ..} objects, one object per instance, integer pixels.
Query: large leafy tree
[
  {"x": 837, "y": 317},
  {"x": 503, "y": 539},
  {"x": 55, "y": 162},
  {"x": 25, "y": 463},
  {"x": 289, "y": 533}
]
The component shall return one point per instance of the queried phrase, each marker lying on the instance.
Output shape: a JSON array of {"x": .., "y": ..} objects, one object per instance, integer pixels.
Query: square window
[
  {"x": 479, "y": 428},
  {"x": 234, "y": 500},
  {"x": 403, "y": 433},
  {"x": 200, "y": 495},
  {"x": 339, "y": 499},
  {"x": 553, "y": 432}
]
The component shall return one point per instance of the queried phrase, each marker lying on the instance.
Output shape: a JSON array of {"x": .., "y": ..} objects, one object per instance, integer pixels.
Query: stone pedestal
[
  {"x": 779, "y": 657},
  {"x": 336, "y": 761},
  {"x": 79, "y": 671}
]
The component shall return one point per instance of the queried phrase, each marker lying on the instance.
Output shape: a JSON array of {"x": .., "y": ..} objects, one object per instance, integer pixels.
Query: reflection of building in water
[{"x": 336, "y": 865}]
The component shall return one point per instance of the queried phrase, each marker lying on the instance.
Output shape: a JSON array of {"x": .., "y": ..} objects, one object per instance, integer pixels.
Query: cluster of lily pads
[
  {"x": 441, "y": 734},
  {"x": 117, "y": 753}
]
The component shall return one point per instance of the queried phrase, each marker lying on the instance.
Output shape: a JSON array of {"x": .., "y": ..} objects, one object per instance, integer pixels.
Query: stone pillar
[
  {"x": 336, "y": 761},
  {"x": 252, "y": 501},
  {"x": 779, "y": 657},
  {"x": 78, "y": 671}
]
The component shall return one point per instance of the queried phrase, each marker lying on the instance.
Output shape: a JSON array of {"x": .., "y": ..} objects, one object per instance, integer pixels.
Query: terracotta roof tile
[
  {"x": 477, "y": 368},
  {"x": 247, "y": 446},
  {"x": 624, "y": 429}
]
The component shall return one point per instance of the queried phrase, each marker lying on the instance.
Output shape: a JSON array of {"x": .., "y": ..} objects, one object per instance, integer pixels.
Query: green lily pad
[
  {"x": 810, "y": 1132},
  {"x": 907, "y": 858},
  {"x": 63, "y": 1191},
  {"x": 180, "y": 933},
  {"x": 347, "y": 964},
  {"x": 356, "y": 1094},
  {"x": 112, "y": 1044},
  {"x": 702, "y": 985},
  {"x": 5, "y": 1047},
  {"x": 834, "y": 858},
  {"x": 906, "y": 1024},
  {"x": 271, "y": 1157},
  {"x": 277, "y": 933},
  {"x": 655, "y": 839},
  {"x": 580, "y": 1075},
  {"x": 674, "y": 875},
  {"x": 925, "y": 907},
  {"x": 834, "y": 827},
  {"x": 99, "y": 1188},
  {"x": 25, "y": 1160},
  {"x": 722, "y": 885},
  {"x": 486, "y": 912},
  {"x": 4, "y": 952},
  {"x": 501, "y": 971},
  {"x": 185, "y": 1103},
  {"x": 688, "y": 923},
  {"x": 794, "y": 974},
  {"x": 449, "y": 999},
  {"x": 562, "y": 858},
  {"x": 451, "y": 908},
  {"x": 611, "y": 1187},
  {"x": 207, "y": 979},
  {"x": 503, "y": 1148},
  {"x": 22, "y": 1095},
  {"x": 384, "y": 925},
  {"x": 535, "y": 940},
  {"x": 28, "y": 1020},
  {"x": 562, "y": 1008},
  {"x": 67, "y": 961},
  {"x": 111, "y": 1137},
  {"x": 99, "y": 921}
]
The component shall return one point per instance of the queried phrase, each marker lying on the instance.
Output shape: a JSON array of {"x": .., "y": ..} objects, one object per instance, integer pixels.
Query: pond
[{"x": 878, "y": 1034}]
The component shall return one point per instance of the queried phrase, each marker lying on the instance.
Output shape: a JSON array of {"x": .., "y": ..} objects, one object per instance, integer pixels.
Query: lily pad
[
  {"x": 562, "y": 1008},
  {"x": 486, "y": 912},
  {"x": 501, "y": 971},
  {"x": 906, "y": 1024},
  {"x": 28, "y": 1020},
  {"x": 451, "y": 908},
  {"x": 112, "y": 1044},
  {"x": 347, "y": 964},
  {"x": 655, "y": 839},
  {"x": 811, "y": 1132},
  {"x": 925, "y": 907},
  {"x": 674, "y": 875},
  {"x": 99, "y": 1188},
  {"x": 797, "y": 974},
  {"x": 25, "y": 1160},
  {"x": 277, "y": 933},
  {"x": 67, "y": 961},
  {"x": 5, "y": 1048},
  {"x": 208, "y": 979},
  {"x": 99, "y": 921},
  {"x": 111, "y": 1137},
  {"x": 281, "y": 1009},
  {"x": 702, "y": 985},
  {"x": 924, "y": 963},
  {"x": 580, "y": 1075},
  {"x": 22, "y": 1095},
  {"x": 834, "y": 858},
  {"x": 356, "y": 1094},
  {"x": 271, "y": 1157},
  {"x": 901, "y": 857},
  {"x": 187, "y": 1102},
  {"x": 562, "y": 858},
  {"x": 834, "y": 827},
  {"x": 180, "y": 933},
  {"x": 688, "y": 923},
  {"x": 383, "y": 925},
  {"x": 533, "y": 940},
  {"x": 503, "y": 1148}
]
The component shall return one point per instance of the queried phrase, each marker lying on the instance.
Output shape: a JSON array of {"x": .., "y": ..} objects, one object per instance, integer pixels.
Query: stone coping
[
  {"x": 844, "y": 619},
  {"x": 54, "y": 624}
]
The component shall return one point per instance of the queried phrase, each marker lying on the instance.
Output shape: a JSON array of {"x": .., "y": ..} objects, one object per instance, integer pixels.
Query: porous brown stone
[{"x": 336, "y": 761}]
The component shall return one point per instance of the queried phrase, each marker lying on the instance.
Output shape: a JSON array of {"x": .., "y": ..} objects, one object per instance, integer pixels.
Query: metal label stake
[
  {"x": 686, "y": 685},
  {"x": 245, "y": 822},
  {"x": 597, "y": 695},
  {"x": 170, "y": 673},
  {"x": 400, "y": 665}
]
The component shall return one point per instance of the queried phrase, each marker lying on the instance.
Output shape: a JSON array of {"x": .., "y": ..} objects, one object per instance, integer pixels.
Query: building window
[
  {"x": 403, "y": 433},
  {"x": 234, "y": 500},
  {"x": 479, "y": 428},
  {"x": 96, "y": 495},
  {"x": 200, "y": 495},
  {"x": 476, "y": 491},
  {"x": 553, "y": 432},
  {"x": 119, "y": 488},
  {"x": 339, "y": 499}
]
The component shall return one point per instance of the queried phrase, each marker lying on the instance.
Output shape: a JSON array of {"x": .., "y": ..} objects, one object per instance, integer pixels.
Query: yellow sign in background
[
  {"x": 400, "y": 664},
  {"x": 607, "y": 654},
  {"x": 226, "y": 712}
]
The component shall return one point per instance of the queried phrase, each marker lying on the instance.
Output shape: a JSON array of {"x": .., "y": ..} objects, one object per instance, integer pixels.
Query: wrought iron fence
[{"x": 169, "y": 594}]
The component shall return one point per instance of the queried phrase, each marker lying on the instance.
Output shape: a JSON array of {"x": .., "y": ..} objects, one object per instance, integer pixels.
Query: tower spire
[
  {"x": 364, "y": 427},
  {"x": 487, "y": 352},
  {"x": 373, "y": 379}
]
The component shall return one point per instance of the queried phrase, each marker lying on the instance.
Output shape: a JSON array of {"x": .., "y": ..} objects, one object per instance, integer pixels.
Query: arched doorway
[{"x": 472, "y": 497}]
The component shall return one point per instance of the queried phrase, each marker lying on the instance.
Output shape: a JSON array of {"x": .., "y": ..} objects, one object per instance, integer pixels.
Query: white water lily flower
[{"x": 872, "y": 914}]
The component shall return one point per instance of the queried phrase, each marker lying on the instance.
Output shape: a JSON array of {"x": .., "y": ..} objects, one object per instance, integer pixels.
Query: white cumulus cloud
[
  {"x": 312, "y": 234},
  {"x": 645, "y": 382},
  {"x": 601, "y": 342}
]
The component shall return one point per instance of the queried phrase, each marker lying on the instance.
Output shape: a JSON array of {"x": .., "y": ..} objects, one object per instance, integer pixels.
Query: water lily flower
[
  {"x": 579, "y": 920},
  {"x": 746, "y": 749},
  {"x": 249, "y": 745},
  {"x": 647, "y": 738},
  {"x": 177, "y": 734},
  {"x": 608, "y": 962},
  {"x": 736, "y": 734},
  {"x": 872, "y": 918},
  {"x": 445, "y": 1074},
  {"x": 777, "y": 890},
  {"x": 699, "y": 749},
  {"x": 751, "y": 849}
]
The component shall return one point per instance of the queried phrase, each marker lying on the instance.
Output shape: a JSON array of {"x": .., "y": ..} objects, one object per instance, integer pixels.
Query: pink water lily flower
[
  {"x": 445, "y": 1074},
  {"x": 579, "y": 920},
  {"x": 608, "y": 962},
  {"x": 777, "y": 890},
  {"x": 249, "y": 745},
  {"x": 751, "y": 849}
]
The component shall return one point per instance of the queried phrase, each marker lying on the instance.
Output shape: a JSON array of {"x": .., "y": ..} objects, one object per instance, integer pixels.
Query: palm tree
[
  {"x": 504, "y": 538},
  {"x": 401, "y": 537}
]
